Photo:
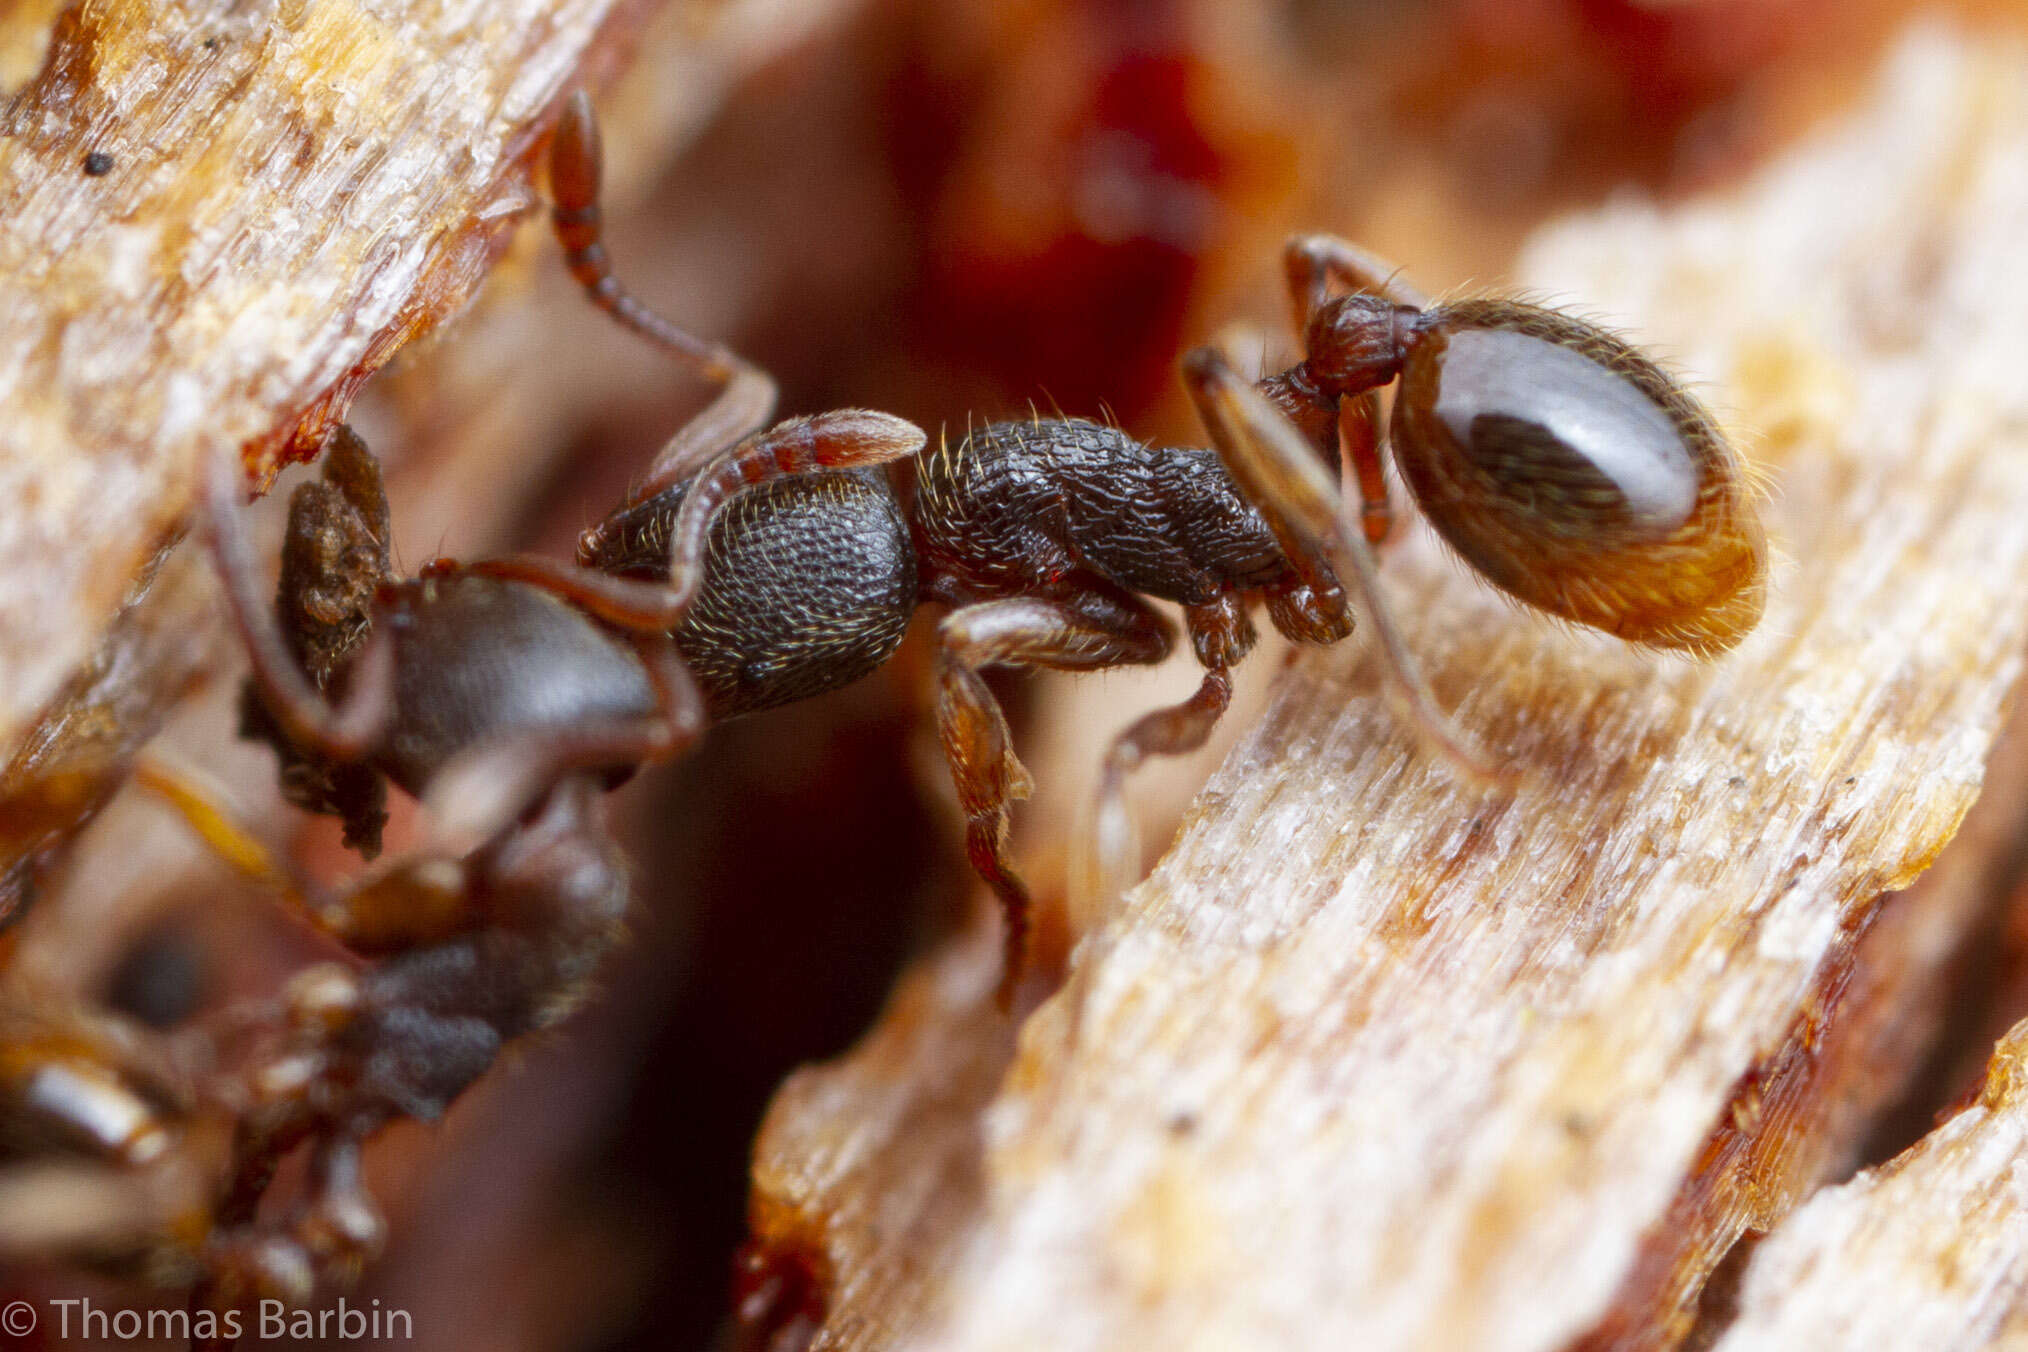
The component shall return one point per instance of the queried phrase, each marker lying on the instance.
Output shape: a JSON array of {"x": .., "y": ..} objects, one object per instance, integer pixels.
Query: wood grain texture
[
  {"x": 1927, "y": 1251},
  {"x": 294, "y": 190},
  {"x": 1369, "y": 1061}
]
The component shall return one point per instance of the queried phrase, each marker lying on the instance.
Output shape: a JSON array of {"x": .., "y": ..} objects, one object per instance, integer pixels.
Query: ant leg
[
  {"x": 1359, "y": 435},
  {"x": 483, "y": 790},
  {"x": 845, "y": 439},
  {"x": 418, "y": 898},
  {"x": 1313, "y": 262},
  {"x": 339, "y": 1224},
  {"x": 342, "y": 734},
  {"x": 746, "y": 397},
  {"x": 1092, "y": 630},
  {"x": 336, "y": 1227},
  {"x": 1221, "y": 634},
  {"x": 1280, "y": 475},
  {"x": 83, "y": 1082}
]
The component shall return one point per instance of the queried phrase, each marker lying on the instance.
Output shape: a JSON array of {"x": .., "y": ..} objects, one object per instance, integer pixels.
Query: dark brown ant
[
  {"x": 1555, "y": 458},
  {"x": 508, "y": 695},
  {"x": 509, "y": 699},
  {"x": 1040, "y": 537}
]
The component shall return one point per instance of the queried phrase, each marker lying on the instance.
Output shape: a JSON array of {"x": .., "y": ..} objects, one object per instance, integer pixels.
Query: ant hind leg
[
  {"x": 1093, "y": 630},
  {"x": 746, "y": 396}
]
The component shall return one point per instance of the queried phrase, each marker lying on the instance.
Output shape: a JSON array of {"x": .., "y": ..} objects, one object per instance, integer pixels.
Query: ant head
[{"x": 1358, "y": 342}]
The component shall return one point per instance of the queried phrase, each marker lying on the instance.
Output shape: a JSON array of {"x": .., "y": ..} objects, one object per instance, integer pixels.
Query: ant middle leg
[
  {"x": 1359, "y": 436},
  {"x": 1221, "y": 634},
  {"x": 1087, "y": 631},
  {"x": 1279, "y": 473}
]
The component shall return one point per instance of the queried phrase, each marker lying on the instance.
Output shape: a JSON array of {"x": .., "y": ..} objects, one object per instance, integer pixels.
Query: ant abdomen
[
  {"x": 480, "y": 657},
  {"x": 1579, "y": 477},
  {"x": 809, "y": 584}
]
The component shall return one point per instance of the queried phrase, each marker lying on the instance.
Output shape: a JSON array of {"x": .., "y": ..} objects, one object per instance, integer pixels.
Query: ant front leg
[
  {"x": 1093, "y": 629},
  {"x": 1278, "y": 472}
]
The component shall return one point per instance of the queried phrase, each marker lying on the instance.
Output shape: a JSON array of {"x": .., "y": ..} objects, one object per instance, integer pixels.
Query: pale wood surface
[
  {"x": 1368, "y": 1062},
  {"x": 295, "y": 190},
  {"x": 1929, "y": 1251}
]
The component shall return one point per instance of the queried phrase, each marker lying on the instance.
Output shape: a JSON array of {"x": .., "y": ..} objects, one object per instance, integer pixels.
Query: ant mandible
[{"x": 1560, "y": 462}]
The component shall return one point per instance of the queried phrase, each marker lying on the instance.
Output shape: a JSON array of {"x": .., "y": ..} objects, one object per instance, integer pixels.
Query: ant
[
  {"x": 1555, "y": 458},
  {"x": 760, "y": 565},
  {"x": 507, "y": 695}
]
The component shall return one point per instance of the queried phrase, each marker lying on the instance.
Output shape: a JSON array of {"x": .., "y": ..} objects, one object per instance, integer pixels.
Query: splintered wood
[
  {"x": 1926, "y": 1252},
  {"x": 1372, "y": 1062}
]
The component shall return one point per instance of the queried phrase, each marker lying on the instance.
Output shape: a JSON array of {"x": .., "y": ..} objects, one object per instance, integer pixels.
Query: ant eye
[{"x": 1573, "y": 473}]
